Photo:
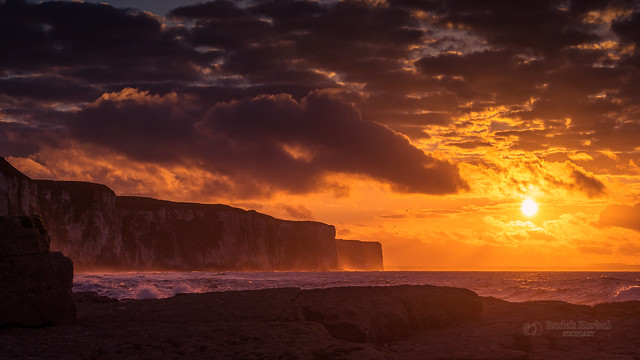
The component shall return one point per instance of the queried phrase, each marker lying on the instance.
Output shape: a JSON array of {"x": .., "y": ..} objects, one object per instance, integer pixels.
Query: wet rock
[{"x": 91, "y": 297}]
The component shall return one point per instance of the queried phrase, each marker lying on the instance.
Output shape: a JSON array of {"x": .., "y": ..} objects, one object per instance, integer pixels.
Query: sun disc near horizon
[{"x": 529, "y": 207}]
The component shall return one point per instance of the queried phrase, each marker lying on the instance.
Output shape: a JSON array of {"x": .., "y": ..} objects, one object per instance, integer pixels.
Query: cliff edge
[
  {"x": 102, "y": 231},
  {"x": 359, "y": 255}
]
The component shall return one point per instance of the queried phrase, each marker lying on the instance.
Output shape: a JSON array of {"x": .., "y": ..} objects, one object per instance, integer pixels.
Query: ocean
[{"x": 574, "y": 287}]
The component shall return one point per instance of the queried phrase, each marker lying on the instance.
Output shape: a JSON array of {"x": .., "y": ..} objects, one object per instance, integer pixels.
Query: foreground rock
[
  {"x": 522, "y": 331},
  {"x": 428, "y": 322},
  {"x": 382, "y": 314},
  {"x": 35, "y": 284}
]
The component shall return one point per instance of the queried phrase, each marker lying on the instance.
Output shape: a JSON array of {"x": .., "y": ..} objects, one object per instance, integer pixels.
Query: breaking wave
[{"x": 573, "y": 287}]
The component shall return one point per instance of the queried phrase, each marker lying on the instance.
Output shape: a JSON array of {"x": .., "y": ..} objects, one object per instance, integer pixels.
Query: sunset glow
[
  {"x": 529, "y": 207},
  {"x": 435, "y": 127}
]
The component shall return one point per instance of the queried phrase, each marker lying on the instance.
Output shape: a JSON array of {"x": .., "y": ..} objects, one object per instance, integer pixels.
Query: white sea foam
[
  {"x": 573, "y": 287},
  {"x": 147, "y": 291}
]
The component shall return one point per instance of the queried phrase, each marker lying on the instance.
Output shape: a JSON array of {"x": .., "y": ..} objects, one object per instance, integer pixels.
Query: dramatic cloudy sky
[{"x": 420, "y": 124}]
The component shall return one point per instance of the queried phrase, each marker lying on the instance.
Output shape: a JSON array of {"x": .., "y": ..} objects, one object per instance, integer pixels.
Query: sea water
[{"x": 574, "y": 287}]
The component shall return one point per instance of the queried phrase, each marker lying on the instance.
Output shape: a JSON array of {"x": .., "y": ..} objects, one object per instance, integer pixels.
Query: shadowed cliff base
[
  {"x": 400, "y": 322},
  {"x": 101, "y": 231}
]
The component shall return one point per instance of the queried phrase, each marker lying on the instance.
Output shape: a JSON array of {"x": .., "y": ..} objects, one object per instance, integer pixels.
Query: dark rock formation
[
  {"x": 265, "y": 324},
  {"x": 359, "y": 255},
  {"x": 100, "y": 230},
  {"x": 272, "y": 324},
  {"x": 35, "y": 284},
  {"x": 382, "y": 314}
]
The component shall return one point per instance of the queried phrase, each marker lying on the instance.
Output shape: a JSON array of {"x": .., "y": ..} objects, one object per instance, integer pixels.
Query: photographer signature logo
[{"x": 532, "y": 329}]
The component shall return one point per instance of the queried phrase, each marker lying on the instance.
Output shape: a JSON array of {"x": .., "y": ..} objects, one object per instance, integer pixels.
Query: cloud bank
[{"x": 271, "y": 96}]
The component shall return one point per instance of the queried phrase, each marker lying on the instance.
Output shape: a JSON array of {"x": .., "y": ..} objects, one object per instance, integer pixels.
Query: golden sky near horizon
[{"x": 422, "y": 125}]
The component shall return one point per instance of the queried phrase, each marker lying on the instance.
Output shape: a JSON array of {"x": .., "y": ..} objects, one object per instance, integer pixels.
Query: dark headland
[{"x": 99, "y": 230}]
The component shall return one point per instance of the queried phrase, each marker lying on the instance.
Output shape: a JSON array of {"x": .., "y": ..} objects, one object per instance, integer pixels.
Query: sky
[{"x": 420, "y": 124}]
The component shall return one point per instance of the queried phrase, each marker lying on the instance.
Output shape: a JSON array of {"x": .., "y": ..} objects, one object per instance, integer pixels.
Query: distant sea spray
[{"x": 574, "y": 287}]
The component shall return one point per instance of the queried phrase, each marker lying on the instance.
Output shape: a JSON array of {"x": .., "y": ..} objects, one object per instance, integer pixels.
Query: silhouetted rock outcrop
[
  {"x": 359, "y": 255},
  {"x": 100, "y": 230},
  {"x": 382, "y": 314},
  {"x": 35, "y": 283},
  {"x": 289, "y": 323}
]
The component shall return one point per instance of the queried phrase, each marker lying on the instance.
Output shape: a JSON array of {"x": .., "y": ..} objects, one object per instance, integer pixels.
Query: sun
[{"x": 529, "y": 207}]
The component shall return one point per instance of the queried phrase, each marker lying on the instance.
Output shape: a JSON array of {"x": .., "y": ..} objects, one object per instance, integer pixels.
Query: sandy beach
[{"x": 399, "y": 322}]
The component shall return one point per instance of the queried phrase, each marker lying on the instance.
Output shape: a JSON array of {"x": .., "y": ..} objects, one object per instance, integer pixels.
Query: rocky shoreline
[{"x": 398, "y": 322}]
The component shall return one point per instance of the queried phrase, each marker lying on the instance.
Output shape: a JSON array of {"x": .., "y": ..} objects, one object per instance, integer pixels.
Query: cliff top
[
  {"x": 83, "y": 193},
  {"x": 7, "y": 168},
  {"x": 147, "y": 203},
  {"x": 351, "y": 241},
  {"x": 75, "y": 186},
  {"x": 150, "y": 204}
]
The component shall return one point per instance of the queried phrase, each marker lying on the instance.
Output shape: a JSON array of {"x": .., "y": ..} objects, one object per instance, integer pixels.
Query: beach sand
[{"x": 399, "y": 322}]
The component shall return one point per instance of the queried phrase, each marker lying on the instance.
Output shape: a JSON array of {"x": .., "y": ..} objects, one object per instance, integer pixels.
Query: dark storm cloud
[
  {"x": 47, "y": 89},
  {"x": 22, "y": 140},
  {"x": 628, "y": 29},
  {"x": 545, "y": 50},
  {"x": 500, "y": 76},
  {"x": 540, "y": 26},
  {"x": 287, "y": 38},
  {"x": 91, "y": 42},
  {"x": 346, "y": 73},
  {"x": 17, "y": 140},
  {"x": 333, "y": 137},
  {"x": 148, "y": 128},
  {"x": 271, "y": 47},
  {"x": 275, "y": 140}
]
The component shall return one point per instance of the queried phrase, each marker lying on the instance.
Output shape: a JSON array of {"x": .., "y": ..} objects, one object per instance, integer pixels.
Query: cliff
[
  {"x": 18, "y": 194},
  {"x": 164, "y": 234},
  {"x": 100, "y": 230},
  {"x": 359, "y": 255},
  {"x": 82, "y": 221}
]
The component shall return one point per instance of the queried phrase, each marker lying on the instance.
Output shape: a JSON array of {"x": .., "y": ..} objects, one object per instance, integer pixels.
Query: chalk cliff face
[
  {"x": 18, "y": 194},
  {"x": 100, "y": 230},
  {"x": 359, "y": 255},
  {"x": 163, "y": 234},
  {"x": 82, "y": 221}
]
